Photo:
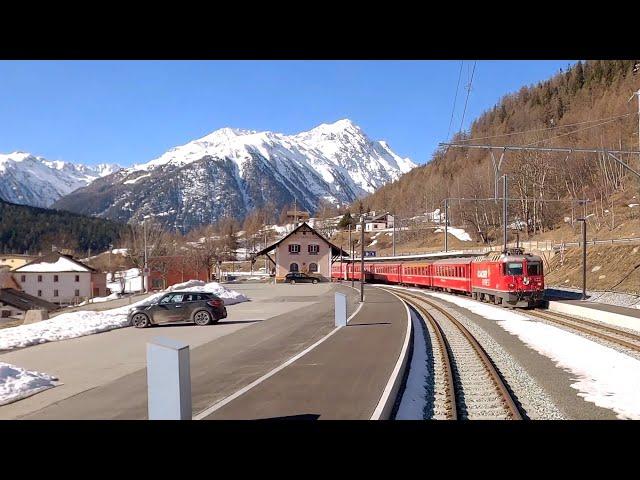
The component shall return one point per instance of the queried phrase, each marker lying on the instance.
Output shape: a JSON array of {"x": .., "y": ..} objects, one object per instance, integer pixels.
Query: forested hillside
[
  {"x": 30, "y": 229},
  {"x": 585, "y": 106}
]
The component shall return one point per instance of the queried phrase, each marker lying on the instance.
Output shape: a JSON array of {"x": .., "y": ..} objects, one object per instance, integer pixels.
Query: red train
[{"x": 513, "y": 279}]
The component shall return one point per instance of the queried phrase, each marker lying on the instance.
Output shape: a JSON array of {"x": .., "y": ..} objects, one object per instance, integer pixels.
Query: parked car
[
  {"x": 202, "y": 308},
  {"x": 299, "y": 277}
]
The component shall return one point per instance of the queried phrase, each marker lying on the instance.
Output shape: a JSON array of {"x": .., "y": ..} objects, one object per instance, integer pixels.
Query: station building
[{"x": 302, "y": 250}]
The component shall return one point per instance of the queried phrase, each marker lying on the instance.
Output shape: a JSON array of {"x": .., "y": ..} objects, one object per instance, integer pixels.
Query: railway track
[
  {"x": 604, "y": 332},
  {"x": 466, "y": 382}
]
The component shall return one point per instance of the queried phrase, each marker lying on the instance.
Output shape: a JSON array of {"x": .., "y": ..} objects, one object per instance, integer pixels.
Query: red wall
[{"x": 178, "y": 270}]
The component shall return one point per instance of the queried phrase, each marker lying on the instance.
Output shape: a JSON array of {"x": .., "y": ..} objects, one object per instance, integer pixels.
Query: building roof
[
  {"x": 379, "y": 217},
  {"x": 54, "y": 262},
  {"x": 24, "y": 301},
  {"x": 334, "y": 250},
  {"x": 7, "y": 280}
]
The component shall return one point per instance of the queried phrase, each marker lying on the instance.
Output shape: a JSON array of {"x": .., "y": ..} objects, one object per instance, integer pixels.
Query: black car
[
  {"x": 202, "y": 308},
  {"x": 298, "y": 277}
]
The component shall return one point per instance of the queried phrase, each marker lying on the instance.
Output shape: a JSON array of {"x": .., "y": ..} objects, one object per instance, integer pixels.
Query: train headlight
[{"x": 512, "y": 285}]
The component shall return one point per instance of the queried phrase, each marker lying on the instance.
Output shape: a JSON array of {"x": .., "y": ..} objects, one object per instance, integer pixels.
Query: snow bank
[
  {"x": 459, "y": 233},
  {"x": 17, "y": 383},
  {"x": 85, "y": 322},
  {"x": 604, "y": 376}
]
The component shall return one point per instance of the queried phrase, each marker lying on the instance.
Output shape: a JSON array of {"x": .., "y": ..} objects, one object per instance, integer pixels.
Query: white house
[
  {"x": 376, "y": 222},
  {"x": 60, "y": 279}
]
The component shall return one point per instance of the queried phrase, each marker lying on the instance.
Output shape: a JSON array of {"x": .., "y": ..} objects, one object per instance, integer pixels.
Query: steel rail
[
  {"x": 445, "y": 354},
  {"x": 488, "y": 364},
  {"x": 590, "y": 328}
]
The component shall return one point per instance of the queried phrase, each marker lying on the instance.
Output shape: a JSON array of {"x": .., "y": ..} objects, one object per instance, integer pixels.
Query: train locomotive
[{"x": 511, "y": 278}]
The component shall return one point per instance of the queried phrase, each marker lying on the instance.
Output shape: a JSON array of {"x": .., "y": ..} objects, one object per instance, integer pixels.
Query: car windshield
[{"x": 514, "y": 268}]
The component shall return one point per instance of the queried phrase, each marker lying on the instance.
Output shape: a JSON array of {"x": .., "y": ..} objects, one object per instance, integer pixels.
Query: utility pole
[
  {"x": 394, "y": 236},
  {"x": 504, "y": 212},
  {"x": 637, "y": 94},
  {"x": 446, "y": 221},
  {"x": 361, "y": 258},
  {"x": 145, "y": 280},
  {"x": 584, "y": 257},
  {"x": 350, "y": 264}
]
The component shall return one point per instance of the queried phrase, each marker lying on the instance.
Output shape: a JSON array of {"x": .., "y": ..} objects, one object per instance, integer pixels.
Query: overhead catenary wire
[
  {"x": 523, "y": 132},
  {"x": 464, "y": 111},
  {"x": 574, "y": 131},
  {"x": 455, "y": 98}
]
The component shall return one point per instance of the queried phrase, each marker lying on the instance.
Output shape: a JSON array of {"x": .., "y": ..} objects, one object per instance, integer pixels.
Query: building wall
[
  {"x": 13, "y": 261},
  {"x": 303, "y": 259},
  {"x": 66, "y": 285},
  {"x": 175, "y": 269}
]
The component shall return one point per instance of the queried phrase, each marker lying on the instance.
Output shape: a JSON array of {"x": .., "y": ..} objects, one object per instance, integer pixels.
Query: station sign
[{"x": 369, "y": 253}]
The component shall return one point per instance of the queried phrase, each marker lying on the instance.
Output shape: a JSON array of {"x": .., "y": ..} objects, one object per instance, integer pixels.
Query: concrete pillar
[
  {"x": 340, "y": 309},
  {"x": 168, "y": 380},
  {"x": 33, "y": 316}
]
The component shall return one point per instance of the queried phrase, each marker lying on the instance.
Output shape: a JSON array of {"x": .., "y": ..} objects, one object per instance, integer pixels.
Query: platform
[{"x": 611, "y": 314}]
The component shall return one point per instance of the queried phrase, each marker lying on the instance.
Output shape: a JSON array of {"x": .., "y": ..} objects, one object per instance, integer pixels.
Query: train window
[
  {"x": 514, "y": 268},
  {"x": 534, "y": 268}
]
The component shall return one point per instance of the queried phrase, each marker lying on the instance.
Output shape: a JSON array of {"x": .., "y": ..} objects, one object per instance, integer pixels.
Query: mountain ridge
[{"x": 232, "y": 171}]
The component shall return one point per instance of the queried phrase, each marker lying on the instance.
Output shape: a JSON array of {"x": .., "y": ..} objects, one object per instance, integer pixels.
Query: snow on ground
[
  {"x": 133, "y": 281},
  {"x": 17, "y": 383},
  {"x": 609, "y": 298},
  {"x": 113, "y": 296},
  {"x": 604, "y": 376},
  {"x": 414, "y": 401},
  {"x": 84, "y": 322},
  {"x": 372, "y": 243},
  {"x": 459, "y": 233}
]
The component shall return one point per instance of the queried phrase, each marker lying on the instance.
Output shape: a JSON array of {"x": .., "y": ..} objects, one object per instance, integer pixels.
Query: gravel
[{"x": 531, "y": 396}]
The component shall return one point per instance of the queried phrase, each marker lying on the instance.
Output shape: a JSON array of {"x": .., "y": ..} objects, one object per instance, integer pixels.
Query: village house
[
  {"x": 15, "y": 260},
  {"x": 302, "y": 250},
  {"x": 165, "y": 271},
  {"x": 15, "y": 303},
  {"x": 376, "y": 222},
  {"x": 60, "y": 279}
]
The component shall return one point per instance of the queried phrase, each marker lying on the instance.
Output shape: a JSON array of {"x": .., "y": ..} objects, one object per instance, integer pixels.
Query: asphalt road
[{"x": 104, "y": 375}]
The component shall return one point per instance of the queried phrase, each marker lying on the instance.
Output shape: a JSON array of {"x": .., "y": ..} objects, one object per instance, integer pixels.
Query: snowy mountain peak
[{"x": 31, "y": 180}]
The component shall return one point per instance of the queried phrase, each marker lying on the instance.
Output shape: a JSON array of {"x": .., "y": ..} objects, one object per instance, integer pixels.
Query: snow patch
[
  {"x": 17, "y": 383},
  {"x": 606, "y": 377},
  {"x": 63, "y": 264}
]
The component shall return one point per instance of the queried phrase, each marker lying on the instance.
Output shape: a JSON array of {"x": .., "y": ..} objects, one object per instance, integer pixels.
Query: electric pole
[
  {"x": 145, "y": 280},
  {"x": 394, "y": 236},
  {"x": 350, "y": 264},
  {"x": 361, "y": 258},
  {"x": 446, "y": 221},
  {"x": 504, "y": 212}
]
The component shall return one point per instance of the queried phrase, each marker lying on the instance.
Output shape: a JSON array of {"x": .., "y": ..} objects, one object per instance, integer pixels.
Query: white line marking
[
  {"x": 224, "y": 401},
  {"x": 391, "y": 384}
]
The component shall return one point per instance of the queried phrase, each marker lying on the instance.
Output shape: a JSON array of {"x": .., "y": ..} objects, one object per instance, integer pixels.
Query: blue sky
[{"x": 132, "y": 111}]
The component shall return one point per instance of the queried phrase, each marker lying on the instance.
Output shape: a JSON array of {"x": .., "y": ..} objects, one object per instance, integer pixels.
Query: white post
[
  {"x": 168, "y": 380},
  {"x": 341, "y": 310}
]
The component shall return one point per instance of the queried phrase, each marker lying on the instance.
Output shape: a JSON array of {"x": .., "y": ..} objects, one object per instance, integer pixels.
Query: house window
[
  {"x": 314, "y": 249},
  {"x": 77, "y": 293},
  {"x": 313, "y": 268},
  {"x": 77, "y": 278},
  {"x": 55, "y": 278},
  {"x": 294, "y": 248},
  {"x": 55, "y": 293},
  {"x": 23, "y": 278},
  {"x": 39, "y": 278},
  {"x": 293, "y": 267},
  {"x": 39, "y": 293}
]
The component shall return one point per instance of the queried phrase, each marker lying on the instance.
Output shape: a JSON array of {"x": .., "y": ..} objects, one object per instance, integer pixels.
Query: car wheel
[
  {"x": 202, "y": 318},
  {"x": 140, "y": 320},
  {"x": 292, "y": 282},
  {"x": 314, "y": 282}
]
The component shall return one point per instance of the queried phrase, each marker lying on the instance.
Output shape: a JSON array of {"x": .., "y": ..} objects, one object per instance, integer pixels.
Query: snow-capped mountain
[
  {"x": 231, "y": 171},
  {"x": 29, "y": 180}
]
